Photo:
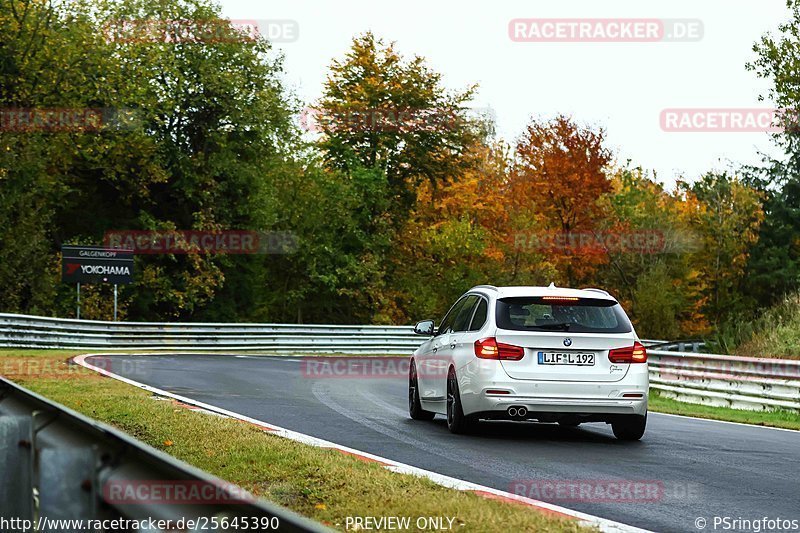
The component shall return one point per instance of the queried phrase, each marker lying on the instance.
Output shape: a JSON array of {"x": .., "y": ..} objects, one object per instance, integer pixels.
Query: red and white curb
[{"x": 487, "y": 492}]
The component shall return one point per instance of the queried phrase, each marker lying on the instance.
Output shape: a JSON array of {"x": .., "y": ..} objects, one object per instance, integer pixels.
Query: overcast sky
[{"x": 620, "y": 86}]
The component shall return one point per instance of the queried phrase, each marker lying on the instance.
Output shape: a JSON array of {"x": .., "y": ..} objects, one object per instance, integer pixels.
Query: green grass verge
[
  {"x": 778, "y": 419},
  {"x": 324, "y": 485},
  {"x": 771, "y": 333}
]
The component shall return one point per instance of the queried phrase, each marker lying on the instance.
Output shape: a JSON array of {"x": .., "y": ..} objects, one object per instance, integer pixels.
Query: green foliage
[
  {"x": 658, "y": 303},
  {"x": 41, "y": 63},
  {"x": 209, "y": 122},
  {"x": 727, "y": 221},
  {"x": 774, "y": 265},
  {"x": 774, "y": 332},
  {"x": 341, "y": 232},
  {"x": 656, "y": 282},
  {"x": 773, "y": 269}
]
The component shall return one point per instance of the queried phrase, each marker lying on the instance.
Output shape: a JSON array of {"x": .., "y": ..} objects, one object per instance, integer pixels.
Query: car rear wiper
[{"x": 563, "y": 326}]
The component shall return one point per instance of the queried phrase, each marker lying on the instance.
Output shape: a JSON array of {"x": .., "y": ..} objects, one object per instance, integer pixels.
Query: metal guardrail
[
  {"x": 699, "y": 378},
  {"x": 58, "y": 465},
  {"x": 726, "y": 381},
  {"x": 23, "y": 331},
  {"x": 693, "y": 346}
]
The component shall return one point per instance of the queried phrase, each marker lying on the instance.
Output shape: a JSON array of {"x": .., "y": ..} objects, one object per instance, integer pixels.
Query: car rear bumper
[
  {"x": 596, "y": 400},
  {"x": 593, "y": 408}
]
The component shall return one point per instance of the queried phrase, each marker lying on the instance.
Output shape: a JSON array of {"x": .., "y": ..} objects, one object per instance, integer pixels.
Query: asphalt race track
[{"x": 705, "y": 468}]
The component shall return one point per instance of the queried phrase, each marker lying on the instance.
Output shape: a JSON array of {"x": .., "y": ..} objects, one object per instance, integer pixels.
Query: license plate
[{"x": 562, "y": 358}]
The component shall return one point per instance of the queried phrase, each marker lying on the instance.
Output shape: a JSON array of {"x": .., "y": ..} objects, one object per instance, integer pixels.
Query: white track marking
[{"x": 754, "y": 426}]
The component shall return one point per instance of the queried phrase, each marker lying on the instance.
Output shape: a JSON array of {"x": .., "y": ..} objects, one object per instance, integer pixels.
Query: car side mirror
[{"x": 424, "y": 328}]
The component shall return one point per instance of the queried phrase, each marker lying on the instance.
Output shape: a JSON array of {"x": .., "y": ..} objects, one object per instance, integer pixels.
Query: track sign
[{"x": 88, "y": 264}]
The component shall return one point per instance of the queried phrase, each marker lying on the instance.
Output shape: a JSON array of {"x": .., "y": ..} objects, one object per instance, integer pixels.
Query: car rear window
[{"x": 543, "y": 313}]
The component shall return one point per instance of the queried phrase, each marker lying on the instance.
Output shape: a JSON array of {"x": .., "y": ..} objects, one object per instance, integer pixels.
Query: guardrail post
[
  {"x": 16, "y": 489},
  {"x": 65, "y": 490}
]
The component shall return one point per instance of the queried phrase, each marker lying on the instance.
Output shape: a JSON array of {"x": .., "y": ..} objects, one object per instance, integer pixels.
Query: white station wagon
[{"x": 531, "y": 353}]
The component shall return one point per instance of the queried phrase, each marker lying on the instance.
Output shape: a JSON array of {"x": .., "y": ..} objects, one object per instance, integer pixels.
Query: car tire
[
  {"x": 630, "y": 427},
  {"x": 457, "y": 421},
  {"x": 415, "y": 409}
]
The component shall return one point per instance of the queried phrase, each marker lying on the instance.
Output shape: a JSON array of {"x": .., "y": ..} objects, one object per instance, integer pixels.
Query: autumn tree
[
  {"x": 656, "y": 280},
  {"x": 388, "y": 124},
  {"x": 727, "y": 219},
  {"x": 462, "y": 234},
  {"x": 382, "y": 111},
  {"x": 560, "y": 173}
]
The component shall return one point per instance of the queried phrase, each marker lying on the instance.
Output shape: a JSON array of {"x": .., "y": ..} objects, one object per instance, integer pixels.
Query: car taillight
[
  {"x": 489, "y": 348},
  {"x": 631, "y": 354}
]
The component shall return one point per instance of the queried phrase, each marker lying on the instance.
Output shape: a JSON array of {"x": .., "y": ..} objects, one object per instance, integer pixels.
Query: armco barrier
[
  {"x": 60, "y": 465},
  {"x": 744, "y": 383},
  {"x": 24, "y": 331},
  {"x": 726, "y": 381}
]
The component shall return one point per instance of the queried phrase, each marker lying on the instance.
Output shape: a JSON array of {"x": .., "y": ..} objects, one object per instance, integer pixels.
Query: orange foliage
[{"x": 561, "y": 174}]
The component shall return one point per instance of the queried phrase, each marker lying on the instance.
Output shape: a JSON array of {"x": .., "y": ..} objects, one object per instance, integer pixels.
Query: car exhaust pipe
[{"x": 517, "y": 412}]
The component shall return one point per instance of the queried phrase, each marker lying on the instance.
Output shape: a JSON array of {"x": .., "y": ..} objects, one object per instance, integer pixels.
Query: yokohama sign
[{"x": 82, "y": 264}]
